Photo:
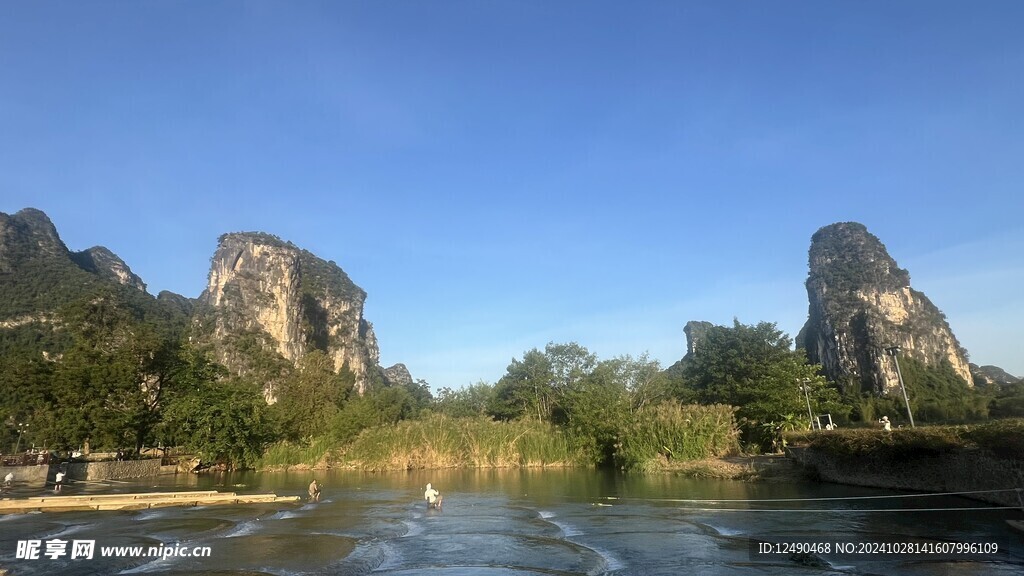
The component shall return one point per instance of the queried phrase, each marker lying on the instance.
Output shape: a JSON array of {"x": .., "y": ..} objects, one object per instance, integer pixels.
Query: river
[{"x": 519, "y": 522}]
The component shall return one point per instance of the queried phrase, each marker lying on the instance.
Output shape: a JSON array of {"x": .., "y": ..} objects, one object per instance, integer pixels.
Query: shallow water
[{"x": 512, "y": 522}]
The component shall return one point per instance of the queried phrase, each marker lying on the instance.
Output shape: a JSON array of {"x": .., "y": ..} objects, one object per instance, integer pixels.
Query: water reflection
[{"x": 506, "y": 522}]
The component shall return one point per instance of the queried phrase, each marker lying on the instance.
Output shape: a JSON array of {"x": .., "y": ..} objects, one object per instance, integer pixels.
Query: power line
[
  {"x": 855, "y": 510},
  {"x": 821, "y": 499}
]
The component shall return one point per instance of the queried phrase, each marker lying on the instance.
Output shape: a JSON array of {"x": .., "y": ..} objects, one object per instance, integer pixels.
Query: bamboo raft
[{"x": 138, "y": 501}]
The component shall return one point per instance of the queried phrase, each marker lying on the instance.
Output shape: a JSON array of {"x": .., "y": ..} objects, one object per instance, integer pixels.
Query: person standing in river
[
  {"x": 433, "y": 498},
  {"x": 314, "y": 491}
]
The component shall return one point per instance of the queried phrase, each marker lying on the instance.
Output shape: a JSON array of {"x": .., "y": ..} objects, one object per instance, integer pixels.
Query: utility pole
[
  {"x": 21, "y": 428},
  {"x": 893, "y": 351},
  {"x": 803, "y": 386}
]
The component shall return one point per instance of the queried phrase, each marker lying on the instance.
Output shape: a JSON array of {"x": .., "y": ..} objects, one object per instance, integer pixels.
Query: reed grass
[
  {"x": 668, "y": 432},
  {"x": 285, "y": 454},
  {"x": 440, "y": 441}
]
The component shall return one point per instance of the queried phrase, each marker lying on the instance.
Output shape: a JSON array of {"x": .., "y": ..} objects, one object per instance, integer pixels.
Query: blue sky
[{"x": 498, "y": 175}]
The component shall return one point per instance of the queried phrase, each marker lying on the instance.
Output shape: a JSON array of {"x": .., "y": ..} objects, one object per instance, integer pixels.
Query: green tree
[
  {"x": 381, "y": 407},
  {"x": 753, "y": 368},
  {"x": 571, "y": 366},
  {"x": 596, "y": 407},
  {"x": 192, "y": 373},
  {"x": 311, "y": 396},
  {"x": 537, "y": 385},
  {"x": 419, "y": 392},
  {"x": 470, "y": 401},
  {"x": 225, "y": 422},
  {"x": 644, "y": 380},
  {"x": 107, "y": 387},
  {"x": 526, "y": 389},
  {"x": 26, "y": 396},
  {"x": 1008, "y": 401}
]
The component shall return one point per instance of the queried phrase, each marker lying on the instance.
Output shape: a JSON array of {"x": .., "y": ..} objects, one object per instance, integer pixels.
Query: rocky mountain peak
[
  {"x": 27, "y": 234},
  {"x": 993, "y": 376},
  {"x": 397, "y": 375},
  {"x": 861, "y": 303},
  {"x": 695, "y": 331},
  {"x": 289, "y": 301},
  {"x": 101, "y": 261},
  {"x": 848, "y": 257}
]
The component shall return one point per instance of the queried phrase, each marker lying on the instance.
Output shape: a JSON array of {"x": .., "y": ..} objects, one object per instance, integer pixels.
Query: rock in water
[{"x": 861, "y": 303}]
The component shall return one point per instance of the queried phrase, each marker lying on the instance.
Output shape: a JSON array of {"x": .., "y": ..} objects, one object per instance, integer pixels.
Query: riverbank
[
  {"x": 970, "y": 458},
  {"x": 762, "y": 468}
]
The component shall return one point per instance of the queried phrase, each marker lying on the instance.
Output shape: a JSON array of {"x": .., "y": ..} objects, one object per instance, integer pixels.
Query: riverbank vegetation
[
  {"x": 439, "y": 441},
  {"x": 663, "y": 433},
  {"x": 563, "y": 406},
  {"x": 1003, "y": 438}
]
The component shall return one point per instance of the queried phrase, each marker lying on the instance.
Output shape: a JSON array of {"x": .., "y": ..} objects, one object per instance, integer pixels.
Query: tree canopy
[{"x": 755, "y": 369}]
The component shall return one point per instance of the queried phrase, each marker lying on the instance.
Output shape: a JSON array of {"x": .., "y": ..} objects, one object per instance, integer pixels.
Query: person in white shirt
[{"x": 433, "y": 498}]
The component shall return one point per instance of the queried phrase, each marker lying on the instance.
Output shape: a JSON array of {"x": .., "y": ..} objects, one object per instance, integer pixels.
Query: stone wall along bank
[
  {"x": 29, "y": 476},
  {"x": 964, "y": 470},
  {"x": 114, "y": 470}
]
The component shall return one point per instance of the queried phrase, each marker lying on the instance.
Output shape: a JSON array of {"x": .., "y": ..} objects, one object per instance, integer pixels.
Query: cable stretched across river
[
  {"x": 818, "y": 499},
  {"x": 856, "y": 510}
]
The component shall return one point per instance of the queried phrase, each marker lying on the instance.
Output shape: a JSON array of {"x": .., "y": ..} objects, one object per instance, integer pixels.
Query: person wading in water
[{"x": 433, "y": 498}]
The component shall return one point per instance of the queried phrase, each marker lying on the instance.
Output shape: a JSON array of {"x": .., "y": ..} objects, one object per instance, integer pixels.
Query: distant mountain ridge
[
  {"x": 993, "y": 375},
  {"x": 267, "y": 302},
  {"x": 38, "y": 274},
  {"x": 99, "y": 260}
]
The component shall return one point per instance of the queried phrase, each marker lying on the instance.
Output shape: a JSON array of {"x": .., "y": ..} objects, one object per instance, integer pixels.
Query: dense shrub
[{"x": 672, "y": 431}]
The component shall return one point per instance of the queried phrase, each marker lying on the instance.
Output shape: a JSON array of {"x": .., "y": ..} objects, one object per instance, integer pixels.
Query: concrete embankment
[
  {"x": 114, "y": 469},
  {"x": 38, "y": 476},
  {"x": 956, "y": 470},
  {"x": 32, "y": 476}
]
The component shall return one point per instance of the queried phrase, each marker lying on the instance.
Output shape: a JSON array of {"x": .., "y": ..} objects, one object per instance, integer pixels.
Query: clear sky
[{"x": 502, "y": 174}]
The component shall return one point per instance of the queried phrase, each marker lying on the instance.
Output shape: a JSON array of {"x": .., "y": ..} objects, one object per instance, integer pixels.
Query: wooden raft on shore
[{"x": 133, "y": 501}]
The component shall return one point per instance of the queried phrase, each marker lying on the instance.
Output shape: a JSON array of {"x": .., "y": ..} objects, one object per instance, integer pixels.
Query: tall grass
[
  {"x": 670, "y": 431},
  {"x": 309, "y": 453},
  {"x": 440, "y": 441}
]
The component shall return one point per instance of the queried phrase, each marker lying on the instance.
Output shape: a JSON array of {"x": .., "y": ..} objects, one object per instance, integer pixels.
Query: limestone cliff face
[
  {"x": 289, "y": 302},
  {"x": 992, "y": 376},
  {"x": 105, "y": 263},
  {"x": 397, "y": 375},
  {"x": 861, "y": 302},
  {"x": 695, "y": 331}
]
